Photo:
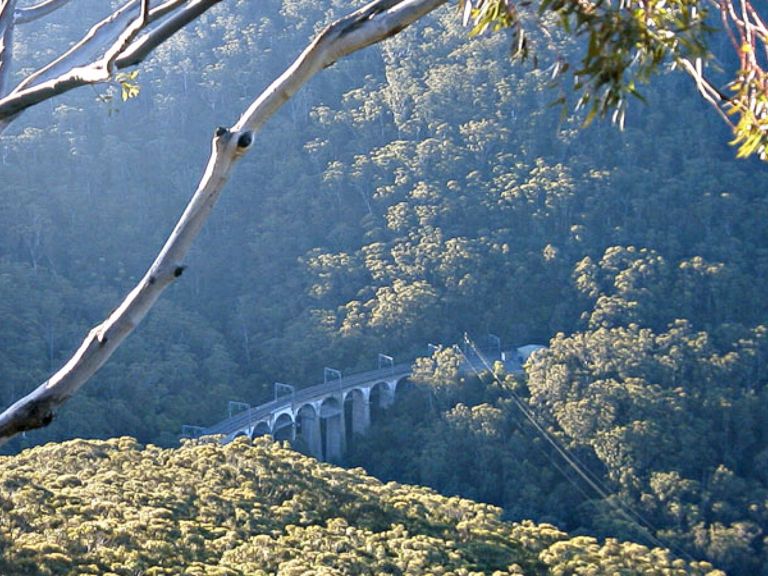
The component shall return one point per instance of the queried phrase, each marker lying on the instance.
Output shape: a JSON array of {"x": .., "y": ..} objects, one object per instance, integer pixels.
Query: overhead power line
[{"x": 591, "y": 479}]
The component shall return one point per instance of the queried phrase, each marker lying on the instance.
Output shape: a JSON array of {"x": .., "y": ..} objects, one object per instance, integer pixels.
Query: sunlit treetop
[{"x": 627, "y": 41}]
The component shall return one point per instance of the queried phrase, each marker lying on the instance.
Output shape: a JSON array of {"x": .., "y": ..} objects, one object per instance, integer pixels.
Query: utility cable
[{"x": 592, "y": 480}]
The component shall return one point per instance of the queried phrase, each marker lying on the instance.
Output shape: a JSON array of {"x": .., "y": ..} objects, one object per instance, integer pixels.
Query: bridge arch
[
  {"x": 403, "y": 380},
  {"x": 329, "y": 407},
  {"x": 381, "y": 397},
  {"x": 284, "y": 428},
  {"x": 261, "y": 429}
]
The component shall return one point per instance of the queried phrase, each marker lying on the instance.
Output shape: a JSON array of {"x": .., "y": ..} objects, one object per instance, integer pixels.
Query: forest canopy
[
  {"x": 623, "y": 45},
  {"x": 116, "y": 507},
  {"x": 414, "y": 192}
]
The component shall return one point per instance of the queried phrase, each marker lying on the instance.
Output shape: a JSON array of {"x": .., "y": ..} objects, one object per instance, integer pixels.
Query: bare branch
[
  {"x": 88, "y": 50},
  {"x": 6, "y": 44},
  {"x": 106, "y": 64},
  {"x": 7, "y": 8},
  {"x": 377, "y": 21},
  {"x": 358, "y": 30},
  {"x": 93, "y": 58},
  {"x": 25, "y": 15},
  {"x": 145, "y": 44},
  {"x": 164, "y": 9},
  {"x": 711, "y": 95}
]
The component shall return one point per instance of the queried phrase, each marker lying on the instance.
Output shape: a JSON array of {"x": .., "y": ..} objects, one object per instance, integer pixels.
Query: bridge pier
[
  {"x": 334, "y": 442},
  {"x": 359, "y": 411},
  {"x": 334, "y": 438},
  {"x": 308, "y": 421},
  {"x": 314, "y": 439}
]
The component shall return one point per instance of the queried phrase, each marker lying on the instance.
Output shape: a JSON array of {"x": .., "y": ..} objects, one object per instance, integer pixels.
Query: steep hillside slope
[{"x": 115, "y": 507}]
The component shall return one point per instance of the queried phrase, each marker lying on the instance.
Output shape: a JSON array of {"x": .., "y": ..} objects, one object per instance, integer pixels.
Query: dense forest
[
  {"x": 114, "y": 507},
  {"x": 418, "y": 191}
]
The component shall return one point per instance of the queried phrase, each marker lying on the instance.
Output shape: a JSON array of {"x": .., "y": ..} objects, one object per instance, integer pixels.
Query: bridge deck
[
  {"x": 346, "y": 383},
  {"x": 304, "y": 395}
]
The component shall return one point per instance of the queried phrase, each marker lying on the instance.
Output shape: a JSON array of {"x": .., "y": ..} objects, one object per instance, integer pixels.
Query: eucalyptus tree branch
[
  {"x": 747, "y": 99},
  {"x": 711, "y": 94},
  {"x": 106, "y": 64},
  {"x": 146, "y": 43},
  {"x": 83, "y": 53},
  {"x": 743, "y": 102},
  {"x": 369, "y": 25},
  {"x": 7, "y": 9},
  {"x": 6, "y": 45},
  {"x": 32, "y": 13},
  {"x": 94, "y": 58},
  {"x": 10, "y": 17}
]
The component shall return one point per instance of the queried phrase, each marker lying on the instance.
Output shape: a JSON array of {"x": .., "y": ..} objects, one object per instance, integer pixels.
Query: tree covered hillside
[
  {"x": 419, "y": 190},
  {"x": 117, "y": 508},
  {"x": 617, "y": 429}
]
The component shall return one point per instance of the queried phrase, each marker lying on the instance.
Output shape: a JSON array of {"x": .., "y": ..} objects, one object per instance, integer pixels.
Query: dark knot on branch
[{"x": 245, "y": 140}]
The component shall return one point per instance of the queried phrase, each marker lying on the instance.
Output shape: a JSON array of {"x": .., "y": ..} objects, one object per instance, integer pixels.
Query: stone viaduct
[{"x": 321, "y": 419}]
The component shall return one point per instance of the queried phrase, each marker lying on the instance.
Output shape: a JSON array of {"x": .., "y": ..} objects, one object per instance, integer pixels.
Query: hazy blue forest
[{"x": 417, "y": 191}]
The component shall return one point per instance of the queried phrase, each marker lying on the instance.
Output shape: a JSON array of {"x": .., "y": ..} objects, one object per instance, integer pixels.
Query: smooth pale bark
[
  {"x": 89, "y": 51},
  {"x": 7, "y": 22},
  {"x": 32, "y": 13},
  {"x": 144, "y": 45},
  {"x": 122, "y": 39},
  {"x": 369, "y": 25}
]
